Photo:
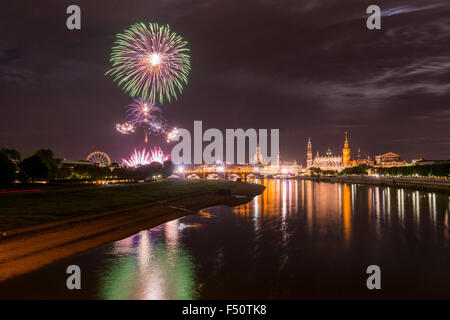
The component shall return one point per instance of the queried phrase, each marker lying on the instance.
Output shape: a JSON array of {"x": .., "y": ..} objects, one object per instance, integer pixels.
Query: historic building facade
[
  {"x": 329, "y": 161},
  {"x": 389, "y": 159}
]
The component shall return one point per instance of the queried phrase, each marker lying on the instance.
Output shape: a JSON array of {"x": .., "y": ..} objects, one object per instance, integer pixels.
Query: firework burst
[
  {"x": 157, "y": 155},
  {"x": 172, "y": 134},
  {"x": 150, "y": 61},
  {"x": 148, "y": 115},
  {"x": 125, "y": 128},
  {"x": 137, "y": 159},
  {"x": 141, "y": 112},
  {"x": 144, "y": 157}
]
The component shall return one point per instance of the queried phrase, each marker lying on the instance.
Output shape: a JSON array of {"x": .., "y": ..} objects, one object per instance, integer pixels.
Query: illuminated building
[
  {"x": 389, "y": 159},
  {"x": 258, "y": 158},
  {"x": 360, "y": 160},
  {"x": 346, "y": 152},
  {"x": 309, "y": 156},
  {"x": 329, "y": 161}
]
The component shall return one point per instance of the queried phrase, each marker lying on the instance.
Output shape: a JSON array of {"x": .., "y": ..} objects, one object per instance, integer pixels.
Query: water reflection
[
  {"x": 151, "y": 265},
  {"x": 333, "y": 205},
  {"x": 299, "y": 239},
  {"x": 289, "y": 234}
]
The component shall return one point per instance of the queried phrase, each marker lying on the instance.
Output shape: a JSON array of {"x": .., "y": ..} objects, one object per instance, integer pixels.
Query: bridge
[{"x": 241, "y": 172}]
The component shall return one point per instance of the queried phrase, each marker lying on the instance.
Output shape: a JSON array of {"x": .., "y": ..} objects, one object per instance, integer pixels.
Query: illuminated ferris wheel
[{"x": 99, "y": 157}]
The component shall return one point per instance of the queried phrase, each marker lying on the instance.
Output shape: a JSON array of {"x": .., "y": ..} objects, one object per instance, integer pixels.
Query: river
[{"x": 299, "y": 239}]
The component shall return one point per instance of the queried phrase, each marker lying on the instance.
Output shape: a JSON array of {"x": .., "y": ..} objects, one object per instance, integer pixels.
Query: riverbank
[
  {"x": 121, "y": 211},
  {"x": 399, "y": 182}
]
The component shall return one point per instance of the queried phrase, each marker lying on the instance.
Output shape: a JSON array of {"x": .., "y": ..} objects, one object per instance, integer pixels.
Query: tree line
[
  {"x": 417, "y": 170},
  {"x": 42, "y": 166}
]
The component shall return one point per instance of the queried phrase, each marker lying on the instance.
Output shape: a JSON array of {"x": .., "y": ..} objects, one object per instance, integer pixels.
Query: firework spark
[
  {"x": 158, "y": 155},
  {"x": 125, "y": 128},
  {"x": 172, "y": 134},
  {"x": 144, "y": 157},
  {"x": 148, "y": 115},
  {"x": 150, "y": 61},
  {"x": 137, "y": 159},
  {"x": 156, "y": 126},
  {"x": 141, "y": 112}
]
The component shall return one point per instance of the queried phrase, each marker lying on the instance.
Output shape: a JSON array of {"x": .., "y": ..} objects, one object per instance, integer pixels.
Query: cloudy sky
[{"x": 310, "y": 68}]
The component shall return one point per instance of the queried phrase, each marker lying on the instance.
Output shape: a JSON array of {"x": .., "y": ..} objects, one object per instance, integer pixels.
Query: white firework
[
  {"x": 125, "y": 128},
  {"x": 172, "y": 135},
  {"x": 144, "y": 157}
]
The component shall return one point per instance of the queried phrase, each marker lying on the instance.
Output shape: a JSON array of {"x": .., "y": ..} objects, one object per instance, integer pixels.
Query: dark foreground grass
[{"x": 19, "y": 210}]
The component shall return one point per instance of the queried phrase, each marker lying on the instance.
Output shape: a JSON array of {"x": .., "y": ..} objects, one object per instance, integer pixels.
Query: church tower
[
  {"x": 258, "y": 159},
  {"x": 346, "y": 152},
  {"x": 309, "y": 159}
]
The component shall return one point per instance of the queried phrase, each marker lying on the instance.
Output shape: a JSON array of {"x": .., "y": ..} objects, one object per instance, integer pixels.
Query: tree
[
  {"x": 315, "y": 171},
  {"x": 12, "y": 154},
  {"x": 422, "y": 170},
  {"x": 361, "y": 169},
  {"x": 148, "y": 170},
  {"x": 48, "y": 159},
  {"x": 7, "y": 169},
  {"x": 167, "y": 168},
  {"x": 34, "y": 168}
]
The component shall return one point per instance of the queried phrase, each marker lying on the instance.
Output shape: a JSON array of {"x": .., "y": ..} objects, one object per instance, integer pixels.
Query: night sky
[{"x": 309, "y": 68}]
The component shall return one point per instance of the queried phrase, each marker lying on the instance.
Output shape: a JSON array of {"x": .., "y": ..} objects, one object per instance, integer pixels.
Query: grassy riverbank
[
  {"x": 47, "y": 226},
  {"x": 22, "y": 210}
]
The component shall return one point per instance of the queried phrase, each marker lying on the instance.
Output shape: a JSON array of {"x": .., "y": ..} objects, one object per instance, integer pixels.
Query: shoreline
[
  {"x": 31, "y": 248},
  {"x": 395, "y": 182}
]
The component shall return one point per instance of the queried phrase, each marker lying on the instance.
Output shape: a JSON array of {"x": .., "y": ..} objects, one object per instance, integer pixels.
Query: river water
[{"x": 299, "y": 239}]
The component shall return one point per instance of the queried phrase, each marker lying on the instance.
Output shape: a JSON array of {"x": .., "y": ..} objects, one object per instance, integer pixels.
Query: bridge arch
[{"x": 213, "y": 176}]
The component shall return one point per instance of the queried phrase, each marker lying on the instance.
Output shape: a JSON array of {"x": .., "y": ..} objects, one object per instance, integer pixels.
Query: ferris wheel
[{"x": 99, "y": 157}]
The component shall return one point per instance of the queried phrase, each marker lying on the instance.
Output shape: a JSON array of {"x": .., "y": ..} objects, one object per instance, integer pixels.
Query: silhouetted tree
[
  {"x": 167, "y": 168},
  {"x": 12, "y": 154},
  {"x": 34, "y": 168},
  {"x": 423, "y": 170},
  {"x": 7, "y": 169},
  {"x": 48, "y": 159},
  {"x": 361, "y": 169},
  {"x": 147, "y": 171}
]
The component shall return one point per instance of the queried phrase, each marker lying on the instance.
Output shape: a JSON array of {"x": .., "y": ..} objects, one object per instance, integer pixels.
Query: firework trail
[
  {"x": 141, "y": 112},
  {"x": 150, "y": 61},
  {"x": 146, "y": 114}
]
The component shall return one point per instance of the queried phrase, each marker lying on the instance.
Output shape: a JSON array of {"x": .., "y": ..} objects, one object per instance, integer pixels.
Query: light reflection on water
[
  {"x": 299, "y": 239},
  {"x": 149, "y": 270}
]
